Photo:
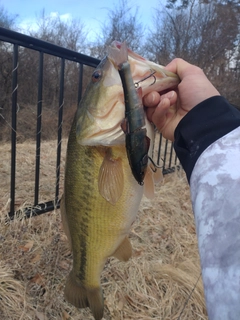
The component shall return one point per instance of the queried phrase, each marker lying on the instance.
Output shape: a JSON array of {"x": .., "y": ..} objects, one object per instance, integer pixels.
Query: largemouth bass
[{"x": 101, "y": 196}]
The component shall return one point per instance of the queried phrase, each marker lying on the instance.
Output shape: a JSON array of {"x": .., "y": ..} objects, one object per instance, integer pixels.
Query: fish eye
[{"x": 96, "y": 76}]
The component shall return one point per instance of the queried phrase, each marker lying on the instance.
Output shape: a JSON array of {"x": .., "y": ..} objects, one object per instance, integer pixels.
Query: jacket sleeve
[
  {"x": 209, "y": 150},
  {"x": 204, "y": 124}
]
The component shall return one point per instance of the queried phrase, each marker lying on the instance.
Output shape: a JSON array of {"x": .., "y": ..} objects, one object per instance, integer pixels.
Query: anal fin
[{"x": 124, "y": 251}]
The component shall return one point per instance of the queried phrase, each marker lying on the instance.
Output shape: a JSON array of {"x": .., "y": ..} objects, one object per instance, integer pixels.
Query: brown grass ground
[{"x": 35, "y": 258}]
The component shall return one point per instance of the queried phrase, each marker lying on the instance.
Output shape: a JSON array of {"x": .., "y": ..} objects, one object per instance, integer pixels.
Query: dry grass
[{"x": 35, "y": 257}]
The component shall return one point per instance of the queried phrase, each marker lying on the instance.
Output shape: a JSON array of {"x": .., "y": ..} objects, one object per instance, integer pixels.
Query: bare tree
[
  {"x": 69, "y": 33},
  {"x": 7, "y": 21},
  {"x": 202, "y": 33},
  {"x": 122, "y": 25},
  {"x": 182, "y": 4}
]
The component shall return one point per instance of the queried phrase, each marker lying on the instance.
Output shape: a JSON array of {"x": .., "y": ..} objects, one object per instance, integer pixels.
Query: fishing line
[
  {"x": 8, "y": 123},
  {"x": 18, "y": 109},
  {"x": 186, "y": 302}
]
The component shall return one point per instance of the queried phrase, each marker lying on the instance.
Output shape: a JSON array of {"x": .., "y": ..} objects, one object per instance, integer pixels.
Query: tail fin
[{"x": 82, "y": 297}]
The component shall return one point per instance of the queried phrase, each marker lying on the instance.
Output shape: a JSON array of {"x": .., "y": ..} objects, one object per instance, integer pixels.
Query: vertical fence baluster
[
  {"x": 60, "y": 117},
  {"x": 170, "y": 156},
  {"x": 39, "y": 127},
  {"x": 154, "y": 141},
  {"x": 14, "y": 127},
  {"x": 159, "y": 150},
  {"x": 165, "y": 155}
]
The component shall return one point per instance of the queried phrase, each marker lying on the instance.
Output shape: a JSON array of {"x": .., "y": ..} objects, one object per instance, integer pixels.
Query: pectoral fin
[
  {"x": 124, "y": 251},
  {"x": 110, "y": 179}
]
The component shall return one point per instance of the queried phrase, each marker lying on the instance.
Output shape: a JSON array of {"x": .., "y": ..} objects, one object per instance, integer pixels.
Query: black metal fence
[{"x": 165, "y": 153}]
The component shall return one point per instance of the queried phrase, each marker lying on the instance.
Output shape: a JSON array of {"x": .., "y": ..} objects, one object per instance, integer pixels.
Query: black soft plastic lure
[{"x": 137, "y": 142}]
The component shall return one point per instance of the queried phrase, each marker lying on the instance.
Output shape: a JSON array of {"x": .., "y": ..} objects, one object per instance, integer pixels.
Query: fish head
[{"x": 102, "y": 108}]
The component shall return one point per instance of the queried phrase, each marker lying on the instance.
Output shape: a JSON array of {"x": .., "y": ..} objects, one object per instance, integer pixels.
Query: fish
[{"x": 101, "y": 196}]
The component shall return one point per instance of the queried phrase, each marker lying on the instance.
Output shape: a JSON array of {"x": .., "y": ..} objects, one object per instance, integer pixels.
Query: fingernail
[{"x": 170, "y": 94}]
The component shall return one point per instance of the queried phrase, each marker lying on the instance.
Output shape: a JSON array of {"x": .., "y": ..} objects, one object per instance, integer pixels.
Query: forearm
[
  {"x": 211, "y": 160},
  {"x": 215, "y": 193}
]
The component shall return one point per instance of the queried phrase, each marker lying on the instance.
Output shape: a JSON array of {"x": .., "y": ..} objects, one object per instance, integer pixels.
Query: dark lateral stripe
[{"x": 86, "y": 200}]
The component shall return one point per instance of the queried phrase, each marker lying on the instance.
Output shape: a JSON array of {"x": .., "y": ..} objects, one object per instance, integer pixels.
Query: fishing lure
[{"x": 137, "y": 142}]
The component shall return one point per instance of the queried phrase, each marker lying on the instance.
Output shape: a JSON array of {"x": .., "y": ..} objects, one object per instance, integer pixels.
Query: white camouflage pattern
[{"x": 215, "y": 192}]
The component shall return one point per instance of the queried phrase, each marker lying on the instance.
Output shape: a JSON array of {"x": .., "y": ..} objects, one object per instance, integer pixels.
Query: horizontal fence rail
[
  {"x": 164, "y": 152},
  {"x": 46, "y": 47}
]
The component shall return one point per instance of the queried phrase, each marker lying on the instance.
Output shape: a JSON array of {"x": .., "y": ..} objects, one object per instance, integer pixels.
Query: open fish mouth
[{"x": 146, "y": 74}]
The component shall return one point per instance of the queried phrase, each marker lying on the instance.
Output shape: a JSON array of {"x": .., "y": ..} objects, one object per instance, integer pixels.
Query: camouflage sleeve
[
  {"x": 215, "y": 193},
  {"x": 207, "y": 142}
]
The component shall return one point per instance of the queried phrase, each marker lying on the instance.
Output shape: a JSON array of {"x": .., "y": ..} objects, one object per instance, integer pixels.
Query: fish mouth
[
  {"x": 152, "y": 77},
  {"x": 102, "y": 108},
  {"x": 147, "y": 74}
]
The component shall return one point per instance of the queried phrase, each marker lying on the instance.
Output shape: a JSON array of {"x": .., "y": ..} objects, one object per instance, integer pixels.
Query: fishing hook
[
  {"x": 147, "y": 77},
  {"x": 154, "y": 164}
]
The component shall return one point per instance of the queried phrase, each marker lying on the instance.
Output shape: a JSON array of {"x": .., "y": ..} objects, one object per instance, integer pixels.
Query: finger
[
  {"x": 171, "y": 95},
  {"x": 152, "y": 99},
  {"x": 149, "y": 113},
  {"x": 159, "y": 115}
]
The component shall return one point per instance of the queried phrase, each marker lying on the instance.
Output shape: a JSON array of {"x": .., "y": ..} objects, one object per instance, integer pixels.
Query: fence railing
[{"x": 165, "y": 153}]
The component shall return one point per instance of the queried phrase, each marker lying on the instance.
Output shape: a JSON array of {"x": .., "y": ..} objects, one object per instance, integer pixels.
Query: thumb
[{"x": 182, "y": 68}]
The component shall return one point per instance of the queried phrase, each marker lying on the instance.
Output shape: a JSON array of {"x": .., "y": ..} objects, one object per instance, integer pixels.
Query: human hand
[{"x": 166, "y": 110}]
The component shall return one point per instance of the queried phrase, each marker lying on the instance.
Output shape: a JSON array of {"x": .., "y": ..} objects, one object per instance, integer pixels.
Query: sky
[{"x": 92, "y": 13}]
